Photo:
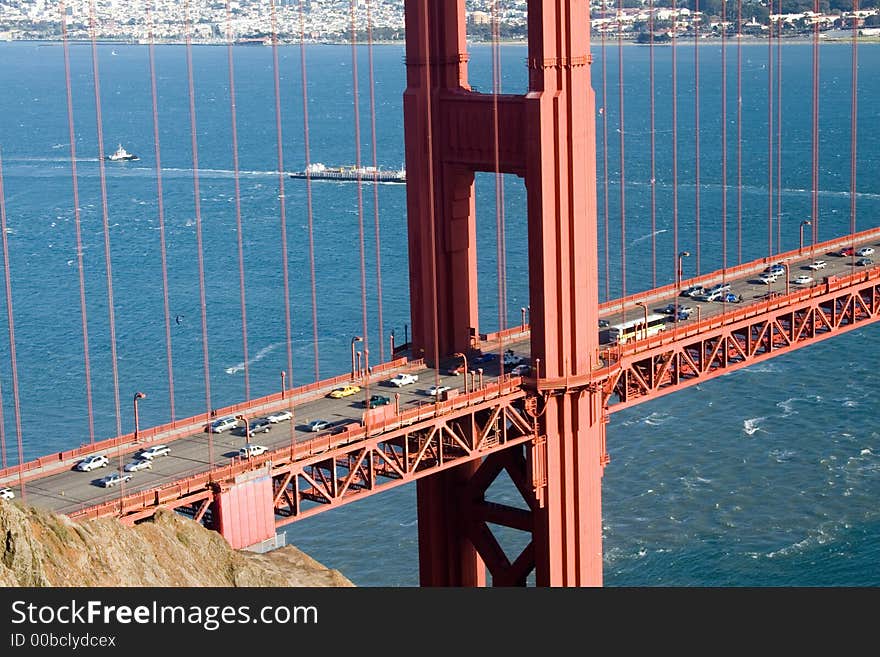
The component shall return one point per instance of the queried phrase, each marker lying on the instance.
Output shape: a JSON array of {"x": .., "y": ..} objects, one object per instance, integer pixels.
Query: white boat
[{"x": 121, "y": 155}]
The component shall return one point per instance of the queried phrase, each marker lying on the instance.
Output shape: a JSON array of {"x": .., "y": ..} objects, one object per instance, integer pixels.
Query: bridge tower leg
[{"x": 546, "y": 136}]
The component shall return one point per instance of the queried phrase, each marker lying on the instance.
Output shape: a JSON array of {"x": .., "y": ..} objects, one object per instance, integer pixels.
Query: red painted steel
[
  {"x": 244, "y": 509},
  {"x": 450, "y": 132}
]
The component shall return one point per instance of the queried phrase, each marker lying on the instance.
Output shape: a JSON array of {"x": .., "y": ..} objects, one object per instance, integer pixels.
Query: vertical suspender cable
[
  {"x": 240, "y": 241},
  {"x": 697, "y": 135},
  {"x": 674, "y": 141},
  {"x": 499, "y": 183},
  {"x": 853, "y": 118},
  {"x": 622, "y": 160},
  {"x": 360, "y": 183},
  {"x": 161, "y": 211},
  {"x": 653, "y": 152},
  {"x": 432, "y": 219},
  {"x": 739, "y": 107},
  {"x": 106, "y": 216},
  {"x": 770, "y": 137},
  {"x": 779, "y": 132},
  {"x": 379, "y": 304},
  {"x": 198, "y": 209},
  {"x": 724, "y": 138},
  {"x": 603, "y": 111},
  {"x": 282, "y": 204},
  {"x": 814, "y": 215},
  {"x": 12, "y": 356},
  {"x": 78, "y": 223},
  {"x": 306, "y": 148}
]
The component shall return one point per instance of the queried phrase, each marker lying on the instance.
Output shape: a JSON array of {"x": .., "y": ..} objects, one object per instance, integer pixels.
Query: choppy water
[{"x": 767, "y": 476}]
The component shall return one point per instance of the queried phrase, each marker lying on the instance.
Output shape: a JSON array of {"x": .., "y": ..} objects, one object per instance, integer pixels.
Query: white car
[
  {"x": 139, "y": 464},
  {"x": 403, "y": 379},
  {"x": 251, "y": 450},
  {"x": 803, "y": 279},
  {"x": 89, "y": 463},
  {"x": 436, "y": 390},
  {"x": 223, "y": 424},
  {"x": 768, "y": 278},
  {"x": 279, "y": 416},
  {"x": 817, "y": 264},
  {"x": 865, "y": 251},
  {"x": 6, "y": 493},
  {"x": 153, "y": 451}
]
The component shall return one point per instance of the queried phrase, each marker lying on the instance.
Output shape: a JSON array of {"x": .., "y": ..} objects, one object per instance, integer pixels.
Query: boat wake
[{"x": 260, "y": 355}]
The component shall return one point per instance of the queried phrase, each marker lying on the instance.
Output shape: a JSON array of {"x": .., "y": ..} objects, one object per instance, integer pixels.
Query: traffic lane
[{"x": 753, "y": 290}]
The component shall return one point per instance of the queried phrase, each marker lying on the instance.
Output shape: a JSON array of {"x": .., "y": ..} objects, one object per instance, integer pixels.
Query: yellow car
[{"x": 344, "y": 391}]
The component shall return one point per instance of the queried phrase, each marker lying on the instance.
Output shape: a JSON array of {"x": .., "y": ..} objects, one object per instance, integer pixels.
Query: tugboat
[{"x": 121, "y": 155}]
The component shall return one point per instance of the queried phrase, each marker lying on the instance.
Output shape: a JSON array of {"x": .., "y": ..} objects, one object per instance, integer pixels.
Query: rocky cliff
[{"x": 43, "y": 549}]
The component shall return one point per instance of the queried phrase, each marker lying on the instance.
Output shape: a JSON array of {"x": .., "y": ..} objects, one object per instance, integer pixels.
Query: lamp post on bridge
[
  {"x": 805, "y": 222},
  {"x": 247, "y": 429},
  {"x": 282, "y": 383},
  {"x": 356, "y": 338},
  {"x": 645, "y": 310},
  {"x": 137, "y": 396},
  {"x": 464, "y": 358},
  {"x": 683, "y": 254}
]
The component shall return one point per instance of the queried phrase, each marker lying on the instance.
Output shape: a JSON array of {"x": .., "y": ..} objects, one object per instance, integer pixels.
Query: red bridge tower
[{"x": 547, "y": 137}]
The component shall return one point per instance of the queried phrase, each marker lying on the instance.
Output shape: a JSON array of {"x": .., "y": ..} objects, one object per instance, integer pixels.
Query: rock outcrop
[{"x": 40, "y": 548}]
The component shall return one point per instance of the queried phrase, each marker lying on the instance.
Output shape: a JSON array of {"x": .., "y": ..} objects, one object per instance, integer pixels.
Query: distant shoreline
[{"x": 594, "y": 39}]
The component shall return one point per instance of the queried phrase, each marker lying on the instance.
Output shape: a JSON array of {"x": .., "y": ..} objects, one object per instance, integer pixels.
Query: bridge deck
[{"x": 51, "y": 482}]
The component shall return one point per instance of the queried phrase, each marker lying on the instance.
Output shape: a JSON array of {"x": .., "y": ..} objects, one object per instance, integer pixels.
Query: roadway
[
  {"x": 749, "y": 287},
  {"x": 70, "y": 491}
]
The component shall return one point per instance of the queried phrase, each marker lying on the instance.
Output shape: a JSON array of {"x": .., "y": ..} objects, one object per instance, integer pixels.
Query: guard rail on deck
[
  {"x": 171, "y": 431},
  {"x": 316, "y": 447}
]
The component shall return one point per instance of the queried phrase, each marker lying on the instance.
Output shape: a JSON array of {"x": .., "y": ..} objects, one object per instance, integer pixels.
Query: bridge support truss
[
  {"x": 737, "y": 340},
  {"x": 547, "y": 136}
]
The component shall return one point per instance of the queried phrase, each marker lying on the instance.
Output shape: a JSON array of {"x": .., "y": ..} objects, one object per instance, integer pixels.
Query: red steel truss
[{"x": 649, "y": 369}]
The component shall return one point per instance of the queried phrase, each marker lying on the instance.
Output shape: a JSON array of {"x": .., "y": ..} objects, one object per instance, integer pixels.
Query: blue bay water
[{"x": 766, "y": 476}]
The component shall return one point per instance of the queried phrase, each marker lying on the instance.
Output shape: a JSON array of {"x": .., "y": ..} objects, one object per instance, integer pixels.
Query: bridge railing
[
  {"x": 194, "y": 482},
  {"x": 737, "y": 313},
  {"x": 170, "y": 431},
  {"x": 754, "y": 266}
]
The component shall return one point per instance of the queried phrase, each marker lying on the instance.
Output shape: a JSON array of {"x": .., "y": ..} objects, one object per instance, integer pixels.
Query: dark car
[
  {"x": 112, "y": 479},
  {"x": 485, "y": 358},
  {"x": 377, "y": 400},
  {"x": 864, "y": 262},
  {"x": 693, "y": 291},
  {"x": 260, "y": 425}
]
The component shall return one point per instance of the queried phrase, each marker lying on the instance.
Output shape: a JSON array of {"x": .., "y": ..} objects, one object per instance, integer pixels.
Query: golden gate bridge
[{"x": 542, "y": 425}]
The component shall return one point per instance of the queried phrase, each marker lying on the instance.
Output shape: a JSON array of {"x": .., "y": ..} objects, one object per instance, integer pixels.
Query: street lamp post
[
  {"x": 282, "y": 383},
  {"x": 247, "y": 429},
  {"x": 356, "y": 338},
  {"x": 464, "y": 358},
  {"x": 683, "y": 254},
  {"x": 645, "y": 310},
  {"x": 522, "y": 312},
  {"x": 787, "y": 278},
  {"x": 137, "y": 396},
  {"x": 805, "y": 222}
]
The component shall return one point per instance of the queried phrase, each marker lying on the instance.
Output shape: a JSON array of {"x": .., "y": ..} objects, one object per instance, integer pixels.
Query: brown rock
[{"x": 40, "y": 548}]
